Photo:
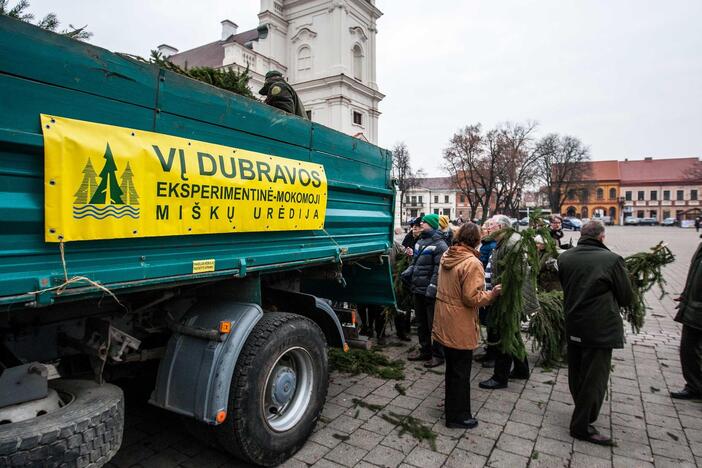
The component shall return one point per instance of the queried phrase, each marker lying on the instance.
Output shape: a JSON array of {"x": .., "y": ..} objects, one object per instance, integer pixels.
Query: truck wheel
[
  {"x": 85, "y": 431},
  {"x": 278, "y": 390}
]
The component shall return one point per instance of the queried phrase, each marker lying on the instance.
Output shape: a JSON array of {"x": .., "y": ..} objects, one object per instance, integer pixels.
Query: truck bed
[{"x": 42, "y": 72}]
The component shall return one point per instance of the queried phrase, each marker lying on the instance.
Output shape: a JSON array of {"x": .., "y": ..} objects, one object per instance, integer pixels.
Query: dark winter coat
[
  {"x": 595, "y": 285},
  {"x": 427, "y": 256},
  {"x": 409, "y": 240},
  {"x": 486, "y": 248},
  {"x": 690, "y": 307},
  {"x": 281, "y": 95}
]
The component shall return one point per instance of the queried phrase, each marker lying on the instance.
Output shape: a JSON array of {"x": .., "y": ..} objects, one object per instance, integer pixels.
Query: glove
[{"x": 431, "y": 291}]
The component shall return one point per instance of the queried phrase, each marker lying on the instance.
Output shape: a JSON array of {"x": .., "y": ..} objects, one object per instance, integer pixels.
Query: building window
[
  {"x": 446, "y": 198},
  {"x": 640, "y": 214},
  {"x": 666, "y": 214},
  {"x": 585, "y": 194},
  {"x": 436, "y": 211},
  {"x": 654, "y": 214},
  {"x": 571, "y": 194},
  {"x": 627, "y": 195},
  {"x": 612, "y": 193},
  {"x": 436, "y": 199},
  {"x": 357, "y": 118},
  {"x": 693, "y": 194},
  {"x": 304, "y": 62},
  {"x": 640, "y": 195},
  {"x": 600, "y": 194},
  {"x": 654, "y": 195},
  {"x": 680, "y": 195},
  {"x": 407, "y": 199},
  {"x": 666, "y": 194},
  {"x": 419, "y": 198},
  {"x": 309, "y": 114},
  {"x": 447, "y": 212},
  {"x": 463, "y": 198},
  {"x": 357, "y": 62},
  {"x": 414, "y": 200}
]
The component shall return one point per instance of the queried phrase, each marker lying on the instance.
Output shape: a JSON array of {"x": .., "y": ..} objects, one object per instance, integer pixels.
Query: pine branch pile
[
  {"x": 228, "y": 79},
  {"x": 412, "y": 425},
  {"x": 644, "y": 273},
  {"x": 547, "y": 329},
  {"x": 369, "y": 362},
  {"x": 518, "y": 264}
]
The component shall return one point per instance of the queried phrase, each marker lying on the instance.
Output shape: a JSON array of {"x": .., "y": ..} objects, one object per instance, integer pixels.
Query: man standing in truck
[{"x": 280, "y": 94}]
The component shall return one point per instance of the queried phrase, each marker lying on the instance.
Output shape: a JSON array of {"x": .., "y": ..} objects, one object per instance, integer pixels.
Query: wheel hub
[{"x": 284, "y": 385}]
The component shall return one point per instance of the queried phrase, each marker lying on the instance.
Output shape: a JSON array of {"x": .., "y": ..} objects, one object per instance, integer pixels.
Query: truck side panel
[{"x": 47, "y": 73}]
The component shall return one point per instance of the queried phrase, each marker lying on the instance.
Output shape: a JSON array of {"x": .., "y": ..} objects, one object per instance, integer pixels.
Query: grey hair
[
  {"x": 502, "y": 220},
  {"x": 592, "y": 229}
]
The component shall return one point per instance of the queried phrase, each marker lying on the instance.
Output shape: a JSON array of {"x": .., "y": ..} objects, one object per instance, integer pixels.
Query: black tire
[
  {"x": 246, "y": 432},
  {"x": 85, "y": 433}
]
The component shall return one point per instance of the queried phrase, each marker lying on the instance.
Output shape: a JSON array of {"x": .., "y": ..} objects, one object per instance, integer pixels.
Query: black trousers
[
  {"x": 424, "y": 310},
  {"x": 457, "y": 384},
  {"x": 504, "y": 363},
  {"x": 402, "y": 322},
  {"x": 373, "y": 317},
  {"x": 588, "y": 376},
  {"x": 691, "y": 357}
]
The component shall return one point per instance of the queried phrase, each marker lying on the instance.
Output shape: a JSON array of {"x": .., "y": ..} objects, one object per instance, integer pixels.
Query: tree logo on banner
[{"x": 108, "y": 198}]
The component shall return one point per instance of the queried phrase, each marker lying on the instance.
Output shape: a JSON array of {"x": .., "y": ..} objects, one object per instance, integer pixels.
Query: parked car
[
  {"x": 648, "y": 222},
  {"x": 515, "y": 222},
  {"x": 572, "y": 223},
  {"x": 524, "y": 221},
  {"x": 632, "y": 221},
  {"x": 605, "y": 219},
  {"x": 669, "y": 222}
]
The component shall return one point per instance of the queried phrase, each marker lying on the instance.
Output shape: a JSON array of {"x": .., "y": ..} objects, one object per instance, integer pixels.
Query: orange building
[{"x": 598, "y": 194}]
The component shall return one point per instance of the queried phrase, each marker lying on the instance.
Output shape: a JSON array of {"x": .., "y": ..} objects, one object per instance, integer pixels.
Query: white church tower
[{"x": 325, "y": 48}]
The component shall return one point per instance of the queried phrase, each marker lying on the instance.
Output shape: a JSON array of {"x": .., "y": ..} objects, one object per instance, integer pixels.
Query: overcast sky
[{"x": 623, "y": 76}]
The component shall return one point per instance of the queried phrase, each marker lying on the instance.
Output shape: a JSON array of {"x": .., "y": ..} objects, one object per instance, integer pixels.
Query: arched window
[
  {"x": 304, "y": 62},
  {"x": 583, "y": 212},
  {"x": 600, "y": 193},
  {"x": 612, "y": 193},
  {"x": 570, "y": 211},
  {"x": 357, "y": 62}
]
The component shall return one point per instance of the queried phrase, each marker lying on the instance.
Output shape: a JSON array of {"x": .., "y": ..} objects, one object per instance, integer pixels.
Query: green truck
[{"x": 156, "y": 226}]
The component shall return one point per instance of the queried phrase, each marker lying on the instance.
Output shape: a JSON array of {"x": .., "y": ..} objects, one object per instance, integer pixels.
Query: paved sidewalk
[{"x": 524, "y": 425}]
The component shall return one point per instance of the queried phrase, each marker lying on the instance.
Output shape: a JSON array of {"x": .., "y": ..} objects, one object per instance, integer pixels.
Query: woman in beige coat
[{"x": 460, "y": 292}]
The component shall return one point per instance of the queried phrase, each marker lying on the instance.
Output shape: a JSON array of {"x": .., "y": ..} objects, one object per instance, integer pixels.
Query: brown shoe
[
  {"x": 418, "y": 356},
  {"x": 435, "y": 362}
]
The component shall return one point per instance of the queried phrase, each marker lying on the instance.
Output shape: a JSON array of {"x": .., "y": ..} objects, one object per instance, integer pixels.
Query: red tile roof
[
  {"x": 657, "y": 170},
  {"x": 602, "y": 170},
  {"x": 212, "y": 54}
]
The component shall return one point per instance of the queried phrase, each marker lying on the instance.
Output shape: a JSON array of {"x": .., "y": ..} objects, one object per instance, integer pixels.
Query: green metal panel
[{"x": 42, "y": 72}]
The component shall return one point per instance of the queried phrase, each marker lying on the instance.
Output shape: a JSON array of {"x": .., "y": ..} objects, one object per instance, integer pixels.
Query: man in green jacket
[
  {"x": 281, "y": 95},
  {"x": 690, "y": 315},
  {"x": 595, "y": 285}
]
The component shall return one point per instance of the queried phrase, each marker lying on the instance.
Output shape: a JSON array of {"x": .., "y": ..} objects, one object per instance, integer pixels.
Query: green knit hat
[{"x": 432, "y": 220}]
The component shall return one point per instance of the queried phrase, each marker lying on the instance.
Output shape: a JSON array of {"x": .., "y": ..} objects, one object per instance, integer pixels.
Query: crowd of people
[{"x": 454, "y": 276}]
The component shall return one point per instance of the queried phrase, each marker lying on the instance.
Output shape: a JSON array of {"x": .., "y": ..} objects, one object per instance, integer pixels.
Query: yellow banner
[{"x": 107, "y": 182}]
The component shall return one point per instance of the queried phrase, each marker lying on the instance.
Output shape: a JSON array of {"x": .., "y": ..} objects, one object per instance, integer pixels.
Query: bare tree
[
  {"x": 467, "y": 161},
  {"x": 517, "y": 165},
  {"x": 562, "y": 167},
  {"x": 695, "y": 175},
  {"x": 402, "y": 171},
  {"x": 49, "y": 22}
]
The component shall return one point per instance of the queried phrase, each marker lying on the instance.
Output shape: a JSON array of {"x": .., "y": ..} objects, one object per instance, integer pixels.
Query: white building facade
[
  {"x": 325, "y": 48},
  {"x": 430, "y": 195}
]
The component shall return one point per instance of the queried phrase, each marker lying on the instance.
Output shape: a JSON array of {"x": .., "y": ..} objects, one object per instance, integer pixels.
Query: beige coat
[{"x": 460, "y": 292}]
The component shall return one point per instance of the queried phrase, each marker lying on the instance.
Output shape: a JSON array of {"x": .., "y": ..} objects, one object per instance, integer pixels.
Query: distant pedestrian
[
  {"x": 461, "y": 292},
  {"x": 698, "y": 221},
  {"x": 595, "y": 285},
  {"x": 423, "y": 277},
  {"x": 690, "y": 315}
]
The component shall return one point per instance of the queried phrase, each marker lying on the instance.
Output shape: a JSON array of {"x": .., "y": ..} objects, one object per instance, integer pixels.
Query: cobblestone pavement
[{"x": 524, "y": 425}]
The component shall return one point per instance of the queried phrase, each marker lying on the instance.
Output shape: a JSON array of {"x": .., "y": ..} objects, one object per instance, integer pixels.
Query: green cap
[
  {"x": 270, "y": 75},
  {"x": 432, "y": 220}
]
